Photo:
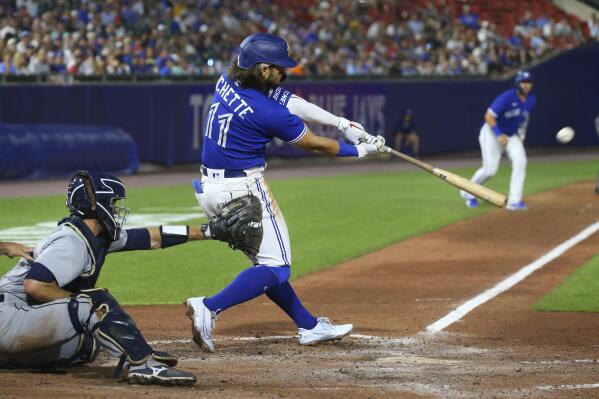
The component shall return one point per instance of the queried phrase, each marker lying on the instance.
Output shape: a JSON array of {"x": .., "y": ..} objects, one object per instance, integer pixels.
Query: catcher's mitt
[{"x": 239, "y": 223}]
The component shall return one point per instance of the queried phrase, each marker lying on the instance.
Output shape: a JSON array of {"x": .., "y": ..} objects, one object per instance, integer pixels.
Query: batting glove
[
  {"x": 368, "y": 149},
  {"x": 354, "y": 132}
]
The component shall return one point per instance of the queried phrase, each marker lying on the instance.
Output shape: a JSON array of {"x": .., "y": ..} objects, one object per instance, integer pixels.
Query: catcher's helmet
[
  {"x": 523, "y": 76},
  {"x": 264, "y": 47},
  {"x": 95, "y": 195}
]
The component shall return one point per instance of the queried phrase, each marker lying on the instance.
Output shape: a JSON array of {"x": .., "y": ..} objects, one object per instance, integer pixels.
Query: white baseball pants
[
  {"x": 491, "y": 152},
  {"x": 275, "y": 249}
]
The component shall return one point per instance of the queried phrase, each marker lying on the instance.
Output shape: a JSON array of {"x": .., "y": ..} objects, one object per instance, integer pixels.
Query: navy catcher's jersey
[
  {"x": 510, "y": 111},
  {"x": 239, "y": 124}
]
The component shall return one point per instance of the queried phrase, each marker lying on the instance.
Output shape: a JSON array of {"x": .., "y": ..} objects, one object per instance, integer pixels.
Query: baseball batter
[
  {"x": 504, "y": 129},
  {"x": 51, "y": 314},
  {"x": 248, "y": 111}
]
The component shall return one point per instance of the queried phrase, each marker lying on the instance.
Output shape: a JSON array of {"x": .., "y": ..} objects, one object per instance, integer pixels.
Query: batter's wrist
[
  {"x": 496, "y": 131},
  {"x": 347, "y": 150}
]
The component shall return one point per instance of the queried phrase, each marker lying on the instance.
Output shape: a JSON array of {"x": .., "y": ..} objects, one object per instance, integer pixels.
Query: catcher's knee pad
[
  {"x": 88, "y": 349},
  {"x": 117, "y": 328}
]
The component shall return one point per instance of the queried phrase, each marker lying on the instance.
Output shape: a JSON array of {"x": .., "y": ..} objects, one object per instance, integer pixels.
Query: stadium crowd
[{"x": 195, "y": 37}]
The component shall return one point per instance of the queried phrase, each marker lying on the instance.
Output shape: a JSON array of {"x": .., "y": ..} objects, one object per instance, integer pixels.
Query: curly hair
[{"x": 248, "y": 78}]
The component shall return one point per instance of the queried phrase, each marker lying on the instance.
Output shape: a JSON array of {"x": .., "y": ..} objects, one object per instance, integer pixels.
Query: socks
[
  {"x": 249, "y": 284},
  {"x": 284, "y": 296},
  {"x": 254, "y": 282}
]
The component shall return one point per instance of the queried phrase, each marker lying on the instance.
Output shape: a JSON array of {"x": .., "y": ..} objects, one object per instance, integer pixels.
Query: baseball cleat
[
  {"x": 472, "y": 203},
  {"x": 161, "y": 375},
  {"x": 202, "y": 322},
  {"x": 324, "y": 331},
  {"x": 166, "y": 358},
  {"x": 517, "y": 206}
]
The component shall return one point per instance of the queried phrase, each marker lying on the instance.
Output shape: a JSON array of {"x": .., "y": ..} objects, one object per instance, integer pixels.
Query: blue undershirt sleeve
[
  {"x": 137, "y": 239},
  {"x": 40, "y": 272}
]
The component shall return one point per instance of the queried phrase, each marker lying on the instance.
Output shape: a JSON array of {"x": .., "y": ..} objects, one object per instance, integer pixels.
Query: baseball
[{"x": 565, "y": 135}]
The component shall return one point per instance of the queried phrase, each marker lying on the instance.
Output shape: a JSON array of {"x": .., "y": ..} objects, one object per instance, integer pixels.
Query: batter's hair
[{"x": 248, "y": 78}]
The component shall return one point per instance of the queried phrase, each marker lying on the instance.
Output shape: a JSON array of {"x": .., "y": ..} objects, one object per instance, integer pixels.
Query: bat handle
[{"x": 385, "y": 149}]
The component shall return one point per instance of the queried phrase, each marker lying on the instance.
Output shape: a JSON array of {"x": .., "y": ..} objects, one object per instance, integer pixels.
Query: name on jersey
[
  {"x": 277, "y": 97},
  {"x": 229, "y": 96}
]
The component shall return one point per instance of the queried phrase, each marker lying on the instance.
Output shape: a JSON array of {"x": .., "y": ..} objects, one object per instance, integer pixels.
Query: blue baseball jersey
[
  {"x": 510, "y": 111},
  {"x": 241, "y": 121}
]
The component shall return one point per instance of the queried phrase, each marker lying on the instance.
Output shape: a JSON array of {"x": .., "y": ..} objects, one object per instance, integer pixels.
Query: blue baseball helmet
[
  {"x": 266, "y": 48},
  {"x": 99, "y": 196},
  {"x": 523, "y": 76}
]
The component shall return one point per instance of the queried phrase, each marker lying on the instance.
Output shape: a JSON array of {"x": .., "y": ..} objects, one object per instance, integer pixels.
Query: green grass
[
  {"x": 579, "y": 293},
  {"x": 330, "y": 219}
]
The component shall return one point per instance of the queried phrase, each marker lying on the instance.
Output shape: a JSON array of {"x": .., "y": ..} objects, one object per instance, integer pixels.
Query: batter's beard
[{"x": 268, "y": 84}]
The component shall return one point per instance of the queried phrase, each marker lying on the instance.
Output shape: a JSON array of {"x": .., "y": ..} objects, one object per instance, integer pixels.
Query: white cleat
[
  {"x": 324, "y": 331},
  {"x": 517, "y": 206},
  {"x": 202, "y": 322}
]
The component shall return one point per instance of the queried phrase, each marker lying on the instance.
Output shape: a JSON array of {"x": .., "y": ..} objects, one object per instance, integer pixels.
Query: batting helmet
[
  {"x": 96, "y": 195},
  {"x": 264, "y": 47},
  {"x": 523, "y": 76}
]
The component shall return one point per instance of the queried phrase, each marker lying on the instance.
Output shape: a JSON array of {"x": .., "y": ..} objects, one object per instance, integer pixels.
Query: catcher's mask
[{"x": 99, "y": 196}]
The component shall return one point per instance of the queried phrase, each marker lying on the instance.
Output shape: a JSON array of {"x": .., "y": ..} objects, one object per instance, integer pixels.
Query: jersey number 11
[{"x": 224, "y": 121}]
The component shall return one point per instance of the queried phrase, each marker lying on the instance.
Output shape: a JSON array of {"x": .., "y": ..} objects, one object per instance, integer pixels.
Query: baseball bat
[{"x": 482, "y": 192}]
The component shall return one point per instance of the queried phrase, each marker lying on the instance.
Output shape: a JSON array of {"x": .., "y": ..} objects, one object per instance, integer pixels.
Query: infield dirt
[{"x": 501, "y": 349}]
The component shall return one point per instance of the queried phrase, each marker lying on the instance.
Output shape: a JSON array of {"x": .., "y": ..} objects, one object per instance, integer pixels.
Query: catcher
[{"x": 52, "y": 314}]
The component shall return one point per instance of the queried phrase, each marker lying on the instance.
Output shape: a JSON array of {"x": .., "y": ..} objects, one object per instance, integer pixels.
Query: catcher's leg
[
  {"x": 47, "y": 335},
  {"x": 118, "y": 334}
]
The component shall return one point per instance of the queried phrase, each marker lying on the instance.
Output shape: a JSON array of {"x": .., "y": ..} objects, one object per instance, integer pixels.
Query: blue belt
[{"x": 228, "y": 173}]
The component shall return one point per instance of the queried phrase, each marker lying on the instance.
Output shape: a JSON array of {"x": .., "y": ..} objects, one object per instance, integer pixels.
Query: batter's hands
[
  {"x": 354, "y": 132},
  {"x": 375, "y": 147},
  {"x": 12, "y": 249},
  {"x": 502, "y": 138}
]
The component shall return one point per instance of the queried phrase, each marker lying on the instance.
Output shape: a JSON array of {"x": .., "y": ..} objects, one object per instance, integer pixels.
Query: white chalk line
[
  {"x": 359, "y": 337},
  {"x": 571, "y": 386},
  {"x": 509, "y": 282}
]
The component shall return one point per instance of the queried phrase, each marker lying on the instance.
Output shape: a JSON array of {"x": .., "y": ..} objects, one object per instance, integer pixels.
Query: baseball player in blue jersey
[
  {"x": 249, "y": 110},
  {"x": 504, "y": 129},
  {"x": 51, "y": 313}
]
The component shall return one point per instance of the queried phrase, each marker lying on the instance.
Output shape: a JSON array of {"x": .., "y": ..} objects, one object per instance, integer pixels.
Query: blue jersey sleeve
[
  {"x": 284, "y": 125},
  {"x": 280, "y": 95},
  {"x": 500, "y": 104}
]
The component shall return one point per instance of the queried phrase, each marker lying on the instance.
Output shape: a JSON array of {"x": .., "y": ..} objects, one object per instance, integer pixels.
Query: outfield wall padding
[{"x": 36, "y": 151}]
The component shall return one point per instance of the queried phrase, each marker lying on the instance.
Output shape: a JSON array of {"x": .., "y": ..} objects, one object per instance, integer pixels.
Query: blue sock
[
  {"x": 284, "y": 296},
  {"x": 249, "y": 284}
]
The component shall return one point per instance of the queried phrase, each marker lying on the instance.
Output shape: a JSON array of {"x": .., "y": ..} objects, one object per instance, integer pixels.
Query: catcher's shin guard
[{"x": 117, "y": 330}]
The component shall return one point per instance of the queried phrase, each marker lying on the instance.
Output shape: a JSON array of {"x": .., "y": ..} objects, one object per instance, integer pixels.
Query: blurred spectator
[
  {"x": 406, "y": 139},
  {"x": 593, "y": 25},
  {"x": 344, "y": 37},
  {"x": 7, "y": 67},
  {"x": 469, "y": 18}
]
